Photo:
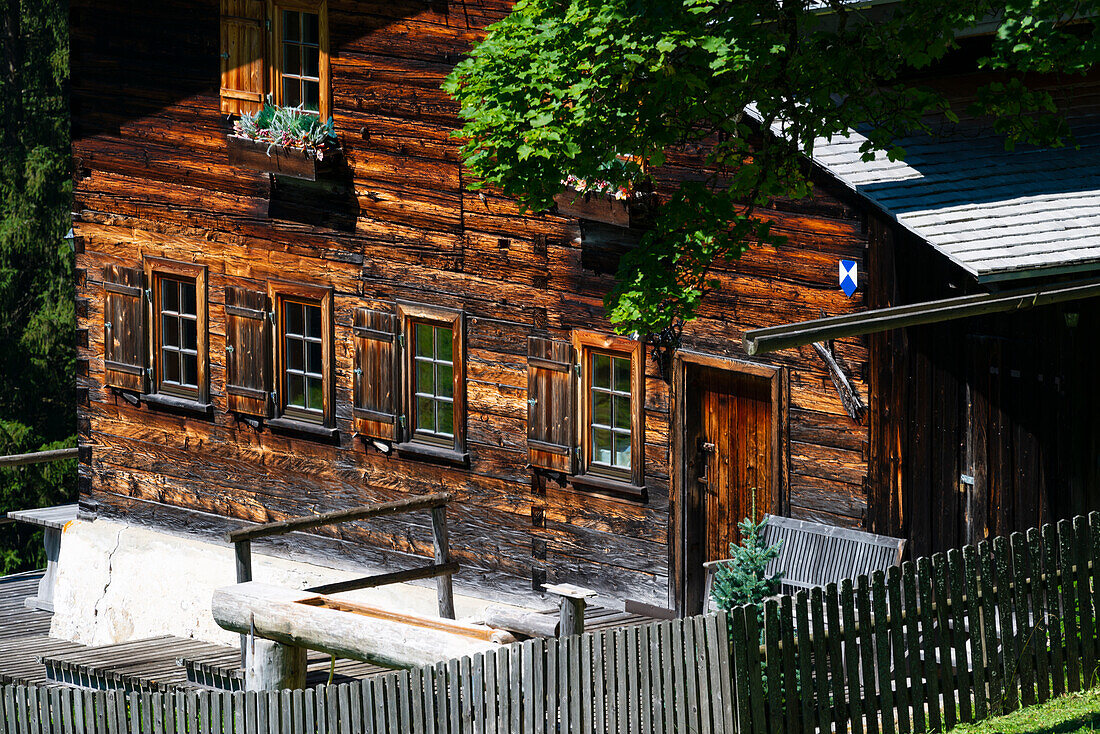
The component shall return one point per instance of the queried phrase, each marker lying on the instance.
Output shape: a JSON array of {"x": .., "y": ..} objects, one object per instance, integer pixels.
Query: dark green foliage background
[{"x": 37, "y": 347}]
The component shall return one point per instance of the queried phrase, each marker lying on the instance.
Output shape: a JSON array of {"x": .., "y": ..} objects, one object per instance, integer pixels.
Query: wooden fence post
[
  {"x": 443, "y": 584},
  {"x": 242, "y": 554},
  {"x": 573, "y": 600}
]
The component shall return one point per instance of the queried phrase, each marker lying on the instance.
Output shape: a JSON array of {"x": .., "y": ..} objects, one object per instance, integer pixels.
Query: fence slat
[
  {"x": 1094, "y": 582},
  {"x": 1002, "y": 578},
  {"x": 1022, "y": 621},
  {"x": 538, "y": 680},
  {"x": 645, "y": 684},
  {"x": 821, "y": 659},
  {"x": 1039, "y": 623},
  {"x": 882, "y": 646},
  {"x": 756, "y": 690},
  {"x": 867, "y": 652},
  {"x": 1049, "y": 540},
  {"x": 899, "y": 658},
  {"x": 851, "y": 657},
  {"x": 1068, "y": 557},
  {"x": 960, "y": 634},
  {"x": 675, "y": 641},
  {"x": 454, "y": 694},
  {"x": 552, "y": 688},
  {"x": 972, "y": 571},
  {"x": 773, "y": 666},
  {"x": 515, "y": 674},
  {"x": 928, "y": 643},
  {"x": 994, "y": 670},
  {"x": 657, "y": 672},
  {"x": 1085, "y": 612}
]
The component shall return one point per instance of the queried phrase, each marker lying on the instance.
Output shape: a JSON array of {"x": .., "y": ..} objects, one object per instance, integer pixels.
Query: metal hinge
[
  {"x": 149, "y": 294},
  {"x": 229, "y": 348},
  {"x": 358, "y": 371},
  {"x": 149, "y": 372},
  {"x": 271, "y": 315},
  {"x": 532, "y": 401},
  {"x": 107, "y": 324},
  {"x": 401, "y": 421},
  {"x": 577, "y": 370},
  {"x": 966, "y": 479},
  {"x": 401, "y": 340},
  {"x": 275, "y": 396}
]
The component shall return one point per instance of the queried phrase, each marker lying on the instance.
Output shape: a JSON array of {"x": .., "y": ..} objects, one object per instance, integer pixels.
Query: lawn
[{"x": 1077, "y": 713}]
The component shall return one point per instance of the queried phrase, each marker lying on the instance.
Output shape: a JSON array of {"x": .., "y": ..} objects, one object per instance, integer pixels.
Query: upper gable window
[{"x": 277, "y": 52}]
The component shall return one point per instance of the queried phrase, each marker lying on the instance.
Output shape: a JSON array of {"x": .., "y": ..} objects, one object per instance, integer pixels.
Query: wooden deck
[{"x": 29, "y": 655}]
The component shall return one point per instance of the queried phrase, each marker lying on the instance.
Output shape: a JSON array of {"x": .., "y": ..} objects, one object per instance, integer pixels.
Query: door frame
[{"x": 682, "y": 361}]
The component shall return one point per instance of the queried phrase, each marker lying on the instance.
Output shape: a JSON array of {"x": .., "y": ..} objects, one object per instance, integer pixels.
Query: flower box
[
  {"x": 634, "y": 210},
  {"x": 281, "y": 160}
]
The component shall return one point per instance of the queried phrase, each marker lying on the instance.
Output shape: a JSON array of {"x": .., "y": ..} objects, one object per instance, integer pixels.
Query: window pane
[
  {"x": 312, "y": 100},
  {"x": 292, "y": 59},
  {"x": 622, "y": 374},
  {"x": 292, "y": 93},
  {"x": 314, "y": 320},
  {"x": 424, "y": 340},
  {"x": 601, "y": 408},
  {"x": 601, "y": 370},
  {"x": 425, "y": 377},
  {"x": 290, "y": 25},
  {"x": 312, "y": 60},
  {"x": 444, "y": 380},
  {"x": 622, "y": 451},
  {"x": 316, "y": 393},
  {"x": 310, "y": 31},
  {"x": 294, "y": 355},
  {"x": 187, "y": 298},
  {"x": 601, "y": 446},
  {"x": 295, "y": 390},
  {"x": 443, "y": 343},
  {"x": 315, "y": 358},
  {"x": 169, "y": 331},
  {"x": 190, "y": 370},
  {"x": 169, "y": 295},
  {"x": 170, "y": 363},
  {"x": 446, "y": 415},
  {"x": 190, "y": 335},
  {"x": 293, "y": 316},
  {"x": 622, "y": 413},
  {"x": 425, "y": 419}
]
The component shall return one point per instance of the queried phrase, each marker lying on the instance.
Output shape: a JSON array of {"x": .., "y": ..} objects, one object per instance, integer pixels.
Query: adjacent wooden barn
[{"x": 256, "y": 345}]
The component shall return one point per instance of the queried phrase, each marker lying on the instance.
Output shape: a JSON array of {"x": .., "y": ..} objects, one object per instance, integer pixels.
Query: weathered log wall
[{"x": 154, "y": 180}]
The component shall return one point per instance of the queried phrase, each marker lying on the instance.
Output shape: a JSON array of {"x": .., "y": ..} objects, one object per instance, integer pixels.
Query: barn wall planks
[{"x": 154, "y": 180}]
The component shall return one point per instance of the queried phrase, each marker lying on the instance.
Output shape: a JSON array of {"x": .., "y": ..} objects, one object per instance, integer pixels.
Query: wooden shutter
[
  {"x": 124, "y": 355},
  {"x": 376, "y": 385},
  {"x": 247, "y": 352},
  {"x": 242, "y": 56},
  {"x": 551, "y": 404}
]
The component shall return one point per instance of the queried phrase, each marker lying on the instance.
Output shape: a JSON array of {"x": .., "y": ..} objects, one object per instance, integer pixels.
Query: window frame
[
  {"x": 156, "y": 269},
  {"x": 280, "y": 292},
  {"x": 409, "y": 315},
  {"x": 632, "y": 481},
  {"x": 275, "y": 48}
]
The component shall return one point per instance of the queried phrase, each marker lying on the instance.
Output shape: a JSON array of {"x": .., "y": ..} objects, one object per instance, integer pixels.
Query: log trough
[{"x": 304, "y": 619}]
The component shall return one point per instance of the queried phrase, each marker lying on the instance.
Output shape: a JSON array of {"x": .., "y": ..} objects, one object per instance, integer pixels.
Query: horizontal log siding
[{"x": 154, "y": 180}]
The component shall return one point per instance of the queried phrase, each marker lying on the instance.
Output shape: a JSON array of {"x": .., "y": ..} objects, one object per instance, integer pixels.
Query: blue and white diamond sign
[{"x": 848, "y": 279}]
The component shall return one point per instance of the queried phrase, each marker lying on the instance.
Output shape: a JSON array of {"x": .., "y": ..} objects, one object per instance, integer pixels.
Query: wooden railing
[
  {"x": 441, "y": 569},
  {"x": 39, "y": 457},
  {"x": 947, "y": 639}
]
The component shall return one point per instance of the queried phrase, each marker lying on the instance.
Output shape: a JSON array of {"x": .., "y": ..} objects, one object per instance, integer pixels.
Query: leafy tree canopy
[{"x": 606, "y": 89}]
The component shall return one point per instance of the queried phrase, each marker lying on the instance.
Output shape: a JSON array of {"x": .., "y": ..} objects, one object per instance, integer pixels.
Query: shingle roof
[{"x": 997, "y": 214}]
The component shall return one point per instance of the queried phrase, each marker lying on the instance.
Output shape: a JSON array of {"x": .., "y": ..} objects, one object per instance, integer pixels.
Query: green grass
[{"x": 1076, "y": 713}]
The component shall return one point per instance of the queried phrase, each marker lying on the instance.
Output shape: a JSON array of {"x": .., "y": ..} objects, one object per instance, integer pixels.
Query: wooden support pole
[
  {"x": 273, "y": 666},
  {"x": 573, "y": 600},
  {"x": 444, "y": 586},
  {"x": 242, "y": 552}
]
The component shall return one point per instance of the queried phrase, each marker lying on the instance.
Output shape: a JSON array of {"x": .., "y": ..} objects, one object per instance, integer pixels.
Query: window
[
  {"x": 612, "y": 394},
  {"x": 300, "y": 66},
  {"x": 178, "y": 335},
  {"x": 293, "y": 71},
  {"x": 303, "y": 370},
  {"x": 433, "y": 417},
  {"x": 304, "y": 384}
]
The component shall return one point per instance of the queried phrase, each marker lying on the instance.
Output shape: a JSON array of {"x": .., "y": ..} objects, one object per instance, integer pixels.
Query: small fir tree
[{"x": 743, "y": 579}]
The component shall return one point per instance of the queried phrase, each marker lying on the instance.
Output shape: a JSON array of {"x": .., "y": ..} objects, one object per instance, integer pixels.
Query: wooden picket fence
[{"x": 952, "y": 638}]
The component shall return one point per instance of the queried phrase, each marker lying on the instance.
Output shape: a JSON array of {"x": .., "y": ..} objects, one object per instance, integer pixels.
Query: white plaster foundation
[{"x": 119, "y": 582}]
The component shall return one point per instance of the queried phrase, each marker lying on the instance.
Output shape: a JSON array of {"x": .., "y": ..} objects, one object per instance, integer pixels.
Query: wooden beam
[
  {"x": 412, "y": 504},
  {"x": 39, "y": 457},
  {"x": 772, "y": 338},
  {"x": 432, "y": 570},
  {"x": 849, "y": 396}
]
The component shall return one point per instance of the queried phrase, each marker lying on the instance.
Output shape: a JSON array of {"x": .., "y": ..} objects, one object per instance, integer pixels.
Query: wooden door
[
  {"x": 736, "y": 447},
  {"x": 729, "y": 451}
]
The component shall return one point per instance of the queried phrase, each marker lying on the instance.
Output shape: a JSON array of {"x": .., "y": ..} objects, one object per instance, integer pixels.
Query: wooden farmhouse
[{"x": 255, "y": 345}]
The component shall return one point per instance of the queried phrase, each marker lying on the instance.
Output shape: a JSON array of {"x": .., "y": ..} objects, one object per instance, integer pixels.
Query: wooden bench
[{"x": 812, "y": 554}]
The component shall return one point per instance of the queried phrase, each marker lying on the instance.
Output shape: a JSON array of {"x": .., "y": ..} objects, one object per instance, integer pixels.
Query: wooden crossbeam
[
  {"x": 39, "y": 457},
  {"x": 281, "y": 527},
  {"x": 430, "y": 571}
]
